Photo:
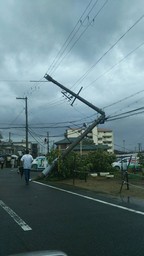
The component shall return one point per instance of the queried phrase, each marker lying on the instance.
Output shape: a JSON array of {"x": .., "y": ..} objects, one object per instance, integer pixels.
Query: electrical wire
[
  {"x": 125, "y": 98},
  {"x": 33, "y": 132},
  {"x": 17, "y": 116},
  {"x": 35, "y": 138},
  {"x": 125, "y": 116},
  {"x": 113, "y": 66},
  {"x": 128, "y": 112},
  {"x": 109, "y": 49},
  {"x": 14, "y": 81},
  {"x": 79, "y": 36},
  {"x": 65, "y": 45},
  {"x": 61, "y": 53},
  {"x": 63, "y": 48}
]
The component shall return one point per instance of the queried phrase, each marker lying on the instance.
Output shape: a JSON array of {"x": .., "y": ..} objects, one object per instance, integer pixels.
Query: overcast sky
[{"x": 97, "y": 45}]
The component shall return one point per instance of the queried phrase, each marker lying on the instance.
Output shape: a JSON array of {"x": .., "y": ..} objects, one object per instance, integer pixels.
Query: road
[{"x": 75, "y": 221}]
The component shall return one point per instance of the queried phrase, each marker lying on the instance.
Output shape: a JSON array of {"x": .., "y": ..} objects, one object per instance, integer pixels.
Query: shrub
[{"x": 99, "y": 161}]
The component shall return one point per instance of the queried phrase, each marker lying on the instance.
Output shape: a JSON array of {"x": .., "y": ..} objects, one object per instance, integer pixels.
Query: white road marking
[
  {"x": 15, "y": 217},
  {"x": 93, "y": 199}
]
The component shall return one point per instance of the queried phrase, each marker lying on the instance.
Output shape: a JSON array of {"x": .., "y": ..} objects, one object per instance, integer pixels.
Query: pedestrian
[
  {"x": 27, "y": 161},
  {"x": 2, "y": 162},
  {"x": 12, "y": 162}
]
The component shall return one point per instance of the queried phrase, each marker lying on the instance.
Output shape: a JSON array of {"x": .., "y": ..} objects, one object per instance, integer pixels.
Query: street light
[{"x": 26, "y": 113}]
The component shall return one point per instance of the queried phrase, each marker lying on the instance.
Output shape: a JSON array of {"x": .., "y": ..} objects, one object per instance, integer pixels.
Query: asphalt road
[{"x": 77, "y": 222}]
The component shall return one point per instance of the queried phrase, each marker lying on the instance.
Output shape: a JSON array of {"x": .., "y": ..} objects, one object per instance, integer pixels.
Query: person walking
[
  {"x": 2, "y": 162},
  {"x": 27, "y": 161},
  {"x": 12, "y": 163}
]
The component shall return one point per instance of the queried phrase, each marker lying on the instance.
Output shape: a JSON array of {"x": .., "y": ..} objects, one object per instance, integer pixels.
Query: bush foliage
[{"x": 98, "y": 161}]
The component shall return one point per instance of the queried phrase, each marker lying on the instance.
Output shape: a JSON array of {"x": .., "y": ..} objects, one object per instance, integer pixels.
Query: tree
[
  {"x": 141, "y": 158},
  {"x": 98, "y": 161},
  {"x": 101, "y": 160}
]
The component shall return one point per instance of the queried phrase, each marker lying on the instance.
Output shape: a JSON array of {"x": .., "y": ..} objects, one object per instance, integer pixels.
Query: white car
[
  {"x": 39, "y": 163},
  {"x": 123, "y": 163}
]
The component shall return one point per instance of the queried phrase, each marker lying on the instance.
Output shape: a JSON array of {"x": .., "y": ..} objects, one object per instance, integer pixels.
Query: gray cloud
[{"x": 32, "y": 33}]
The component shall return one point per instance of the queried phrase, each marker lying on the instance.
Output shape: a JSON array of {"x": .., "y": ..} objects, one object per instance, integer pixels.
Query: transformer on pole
[{"x": 101, "y": 119}]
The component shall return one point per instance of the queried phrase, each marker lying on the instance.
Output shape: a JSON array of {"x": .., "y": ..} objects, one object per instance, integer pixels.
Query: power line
[
  {"x": 116, "y": 64},
  {"x": 126, "y": 98},
  {"x": 121, "y": 147},
  {"x": 70, "y": 38},
  {"x": 17, "y": 116},
  {"x": 55, "y": 63},
  {"x": 81, "y": 35},
  {"x": 128, "y": 112},
  {"x": 128, "y": 106},
  {"x": 63, "y": 48},
  {"x": 35, "y": 138},
  {"x": 110, "y": 48},
  {"x": 61, "y": 53},
  {"x": 14, "y": 81},
  {"x": 125, "y": 116}
]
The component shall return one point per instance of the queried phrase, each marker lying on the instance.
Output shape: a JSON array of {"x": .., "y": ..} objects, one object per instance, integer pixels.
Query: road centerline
[{"x": 15, "y": 217}]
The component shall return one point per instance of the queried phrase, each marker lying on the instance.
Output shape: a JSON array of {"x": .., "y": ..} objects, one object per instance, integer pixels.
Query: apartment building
[{"x": 100, "y": 136}]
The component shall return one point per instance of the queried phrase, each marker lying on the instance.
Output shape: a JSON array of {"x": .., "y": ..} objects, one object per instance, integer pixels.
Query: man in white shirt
[{"x": 27, "y": 161}]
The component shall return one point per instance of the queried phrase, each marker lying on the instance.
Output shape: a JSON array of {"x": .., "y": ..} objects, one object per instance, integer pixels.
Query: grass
[{"x": 109, "y": 186}]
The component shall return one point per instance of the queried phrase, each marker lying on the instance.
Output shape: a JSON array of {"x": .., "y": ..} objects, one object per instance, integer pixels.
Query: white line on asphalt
[
  {"x": 15, "y": 217},
  {"x": 93, "y": 199}
]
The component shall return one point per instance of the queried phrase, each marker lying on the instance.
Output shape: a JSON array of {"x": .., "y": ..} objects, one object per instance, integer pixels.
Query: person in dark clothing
[
  {"x": 1, "y": 162},
  {"x": 27, "y": 161}
]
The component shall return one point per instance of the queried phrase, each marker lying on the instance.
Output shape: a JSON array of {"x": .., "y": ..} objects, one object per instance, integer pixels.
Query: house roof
[
  {"x": 85, "y": 147},
  {"x": 65, "y": 141},
  {"x": 99, "y": 129},
  {"x": 90, "y": 147}
]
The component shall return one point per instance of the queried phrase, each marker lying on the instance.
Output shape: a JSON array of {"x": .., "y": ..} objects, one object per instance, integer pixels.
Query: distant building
[
  {"x": 6, "y": 148},
  {"x": 100, "y": 136},
  {"x": 17, "y": 148},
  {"x": 81, "y": 147}
]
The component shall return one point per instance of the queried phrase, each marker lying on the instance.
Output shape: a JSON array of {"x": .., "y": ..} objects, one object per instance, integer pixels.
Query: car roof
[{"x": 40, "y": 157}]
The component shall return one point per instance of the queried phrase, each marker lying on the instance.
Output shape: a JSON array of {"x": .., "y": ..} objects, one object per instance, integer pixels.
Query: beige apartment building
[{"x": 100, "y": 136}]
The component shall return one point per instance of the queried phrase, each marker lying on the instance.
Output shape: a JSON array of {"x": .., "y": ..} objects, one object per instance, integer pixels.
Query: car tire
[
  {"x": 117, "y": 168},
  {"x": 34, "y": 167}
]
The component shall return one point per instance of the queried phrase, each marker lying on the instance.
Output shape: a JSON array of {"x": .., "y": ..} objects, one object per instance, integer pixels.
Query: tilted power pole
[
  {"x": 99, "y": 120},
  {"x": 50, "y": 79}
]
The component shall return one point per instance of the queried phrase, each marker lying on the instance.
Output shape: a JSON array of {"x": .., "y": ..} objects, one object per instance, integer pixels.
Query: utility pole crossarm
[
  {"x": 99, "y": 120},
  {"x": 50, "y": 79}
]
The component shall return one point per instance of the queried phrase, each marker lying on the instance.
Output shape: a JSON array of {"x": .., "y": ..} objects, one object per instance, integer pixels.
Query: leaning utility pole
[
  {"x": 99, "y": 120},
  {"x": 26, "y": 114},
  {"x": 50, "y": 79}
]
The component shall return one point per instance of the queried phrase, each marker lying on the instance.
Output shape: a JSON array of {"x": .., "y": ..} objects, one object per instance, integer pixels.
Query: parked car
[
  {"x": 122, "y": 164},
  {"x": 39, "y": 163}
]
